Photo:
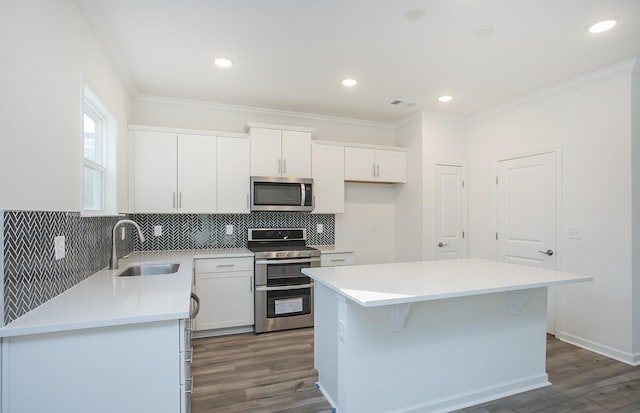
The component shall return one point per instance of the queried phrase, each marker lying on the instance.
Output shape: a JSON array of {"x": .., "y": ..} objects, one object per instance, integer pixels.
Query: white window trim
[{"x": 109, "y": 184}]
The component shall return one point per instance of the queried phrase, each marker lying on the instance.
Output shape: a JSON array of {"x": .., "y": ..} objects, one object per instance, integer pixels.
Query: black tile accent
[{"x": 31, "y": 273}]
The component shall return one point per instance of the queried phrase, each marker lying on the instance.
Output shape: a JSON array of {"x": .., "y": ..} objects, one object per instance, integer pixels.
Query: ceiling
[{"x": 292, "y": 54}]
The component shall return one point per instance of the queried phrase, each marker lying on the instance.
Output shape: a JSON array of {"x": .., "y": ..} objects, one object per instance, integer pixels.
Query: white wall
[
  {"x": 366, "y": 226},
  {"x": 48, "y": 51},
  {"x": 635, "y": 156},
  {"x": 591, "y": 125}
]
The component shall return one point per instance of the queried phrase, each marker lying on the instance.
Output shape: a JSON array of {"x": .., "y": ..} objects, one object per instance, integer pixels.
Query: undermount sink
[{"x": 149, "y": 269}]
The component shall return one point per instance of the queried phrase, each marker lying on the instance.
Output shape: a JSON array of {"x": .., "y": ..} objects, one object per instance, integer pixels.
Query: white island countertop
[
  {"x": 399, "y": 283},
  {"x": 104, "y": 299}
]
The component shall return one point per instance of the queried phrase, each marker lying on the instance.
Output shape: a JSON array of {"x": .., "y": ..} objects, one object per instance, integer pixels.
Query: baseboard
[
  {"x": 480, "y": 396},
  {"x": 632, "y": 359},
  {"x": 326, "y": 396},
  {"x": 221, "y": 332}
]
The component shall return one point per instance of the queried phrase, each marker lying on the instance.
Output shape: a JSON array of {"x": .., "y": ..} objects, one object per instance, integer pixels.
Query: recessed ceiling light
[
  {"x": 222, "y": 62},
  {"x": 602, "y": 26},
  {"x": 415, "y": 12},
  {"x": 349, "y": 82},
  {"x": 445, "y": 98}
]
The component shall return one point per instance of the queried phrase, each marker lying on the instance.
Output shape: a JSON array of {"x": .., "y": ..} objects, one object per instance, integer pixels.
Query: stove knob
[{"x": 281, "y": 254}]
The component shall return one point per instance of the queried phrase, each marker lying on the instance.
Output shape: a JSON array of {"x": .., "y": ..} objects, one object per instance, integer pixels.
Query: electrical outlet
[
  {"x": 319, "y": 228},
  {"x": 157, "y": 230},
  {"x": 60, "y": 247},
  {"x": 229, "y": 230},
  {"x": 574, "y": 233}
]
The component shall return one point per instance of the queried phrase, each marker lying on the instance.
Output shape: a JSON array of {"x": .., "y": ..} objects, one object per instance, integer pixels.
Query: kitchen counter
[
  {"x": 331, "y": 249},
  {"x": 430, "y": 336},
  {"x": 106, "y": 300}
]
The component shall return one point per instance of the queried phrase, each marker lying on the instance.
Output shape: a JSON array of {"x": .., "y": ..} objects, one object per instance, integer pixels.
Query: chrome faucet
[{"x": 113, "y": 264}]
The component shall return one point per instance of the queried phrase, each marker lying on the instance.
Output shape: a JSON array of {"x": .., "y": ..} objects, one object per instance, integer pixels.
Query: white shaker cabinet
[
  {"x": 328, "y": 178},
  {"x": 278, "y": 152},
  {"x": 234, "y": 172},
  {"x": 225, "y": 288},
  {"x": 336, "y": 259},
  {"x": 174, "y": 173},
  {"x": 375, "y": 165}
]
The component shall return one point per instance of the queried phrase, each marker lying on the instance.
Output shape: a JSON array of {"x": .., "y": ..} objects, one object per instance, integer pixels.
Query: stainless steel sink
[{"x": 149, "y": 269}]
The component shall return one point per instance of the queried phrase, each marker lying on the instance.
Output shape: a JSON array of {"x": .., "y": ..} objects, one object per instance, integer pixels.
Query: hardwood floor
[{"x": 274, "y": 372}]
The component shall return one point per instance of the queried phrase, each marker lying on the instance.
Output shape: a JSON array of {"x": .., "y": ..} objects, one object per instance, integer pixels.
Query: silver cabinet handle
[
  {"x": 338, "y": 260},
  {"x": 279, "y": 165},
  {"x": 225, "y": 265},
  {"x": 378, "y": 172},
  {"x": 174, "y": 200},
  {"x": 547, "y": 252},
  {"x": 250, "y": 284},
  {"x": 440, "y": 244},
  {"x": 284, "y": 166},
  {"x": 285, "y": 288}
]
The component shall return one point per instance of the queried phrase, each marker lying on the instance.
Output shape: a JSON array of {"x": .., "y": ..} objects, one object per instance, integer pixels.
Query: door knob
[
  {"x": 442, "y": 245},
  {"x": 548, "y": 252}
]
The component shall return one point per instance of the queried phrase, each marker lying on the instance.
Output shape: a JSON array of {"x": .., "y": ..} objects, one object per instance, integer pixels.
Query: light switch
[
  {"x": 59, "y": 247},
  {"x": 157, "y": 230},
  {"x": 229, "y": 230},
  {"x": 319, "y": 228}
]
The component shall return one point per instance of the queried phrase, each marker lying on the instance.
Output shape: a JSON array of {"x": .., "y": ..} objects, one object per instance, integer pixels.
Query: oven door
[{"x": 283, "y": 307}]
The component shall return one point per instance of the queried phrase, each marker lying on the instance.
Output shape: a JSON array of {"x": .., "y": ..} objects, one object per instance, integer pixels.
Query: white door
[
  {"x": 449, "y": 212},
  {"x": 266, "y": 153},
  {"x": 296, "y": 154},
  {"x": 233, "y": 175},
  {"x": 391, "y": 166},
  {"x": 155, "y": 172},
  {"x": 526, "y": 215},
  {"x": 196, "y": 174},
  {"x": 328, "y": 178}
]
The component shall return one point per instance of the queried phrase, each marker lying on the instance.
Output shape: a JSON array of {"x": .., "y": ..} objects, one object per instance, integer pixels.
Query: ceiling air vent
[{"x": 406, "y": 103}]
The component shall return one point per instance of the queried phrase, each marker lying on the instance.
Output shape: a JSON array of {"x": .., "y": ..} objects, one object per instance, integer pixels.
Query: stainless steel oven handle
[
  {"x": 288, "y": 261},
  {"x": 285, "y": 287}
]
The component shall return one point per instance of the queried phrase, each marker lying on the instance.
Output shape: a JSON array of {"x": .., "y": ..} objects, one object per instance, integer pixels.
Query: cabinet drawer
[
  {"x": 334, "y": 260},
  {"x": 224, "y": 265}
]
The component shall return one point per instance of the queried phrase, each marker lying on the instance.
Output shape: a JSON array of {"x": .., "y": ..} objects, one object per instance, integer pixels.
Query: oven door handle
[
  {"x": 290, "y": 261},
  {"x": 285, "y": 287}
]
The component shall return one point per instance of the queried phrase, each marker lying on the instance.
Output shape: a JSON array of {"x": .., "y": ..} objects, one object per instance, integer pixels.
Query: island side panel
[
  {"x": 451, "y": 353},
  {"x": 326, "y": 341}
]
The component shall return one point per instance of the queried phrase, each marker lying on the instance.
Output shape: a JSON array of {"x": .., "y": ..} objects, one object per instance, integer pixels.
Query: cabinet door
[
  {"x": 296, "y": 154},
  {"x": 266, "y": 155},
  {"x": 391, "y": 166},
  {"x": 328, "y": 178},
  {"x": 226, "y": 299},
  {"x": 155, "y": 172},
  {"x": 196, "y": 174},
  {"x": 233, "y": 175},
  {"x": 359, "y": 164}
]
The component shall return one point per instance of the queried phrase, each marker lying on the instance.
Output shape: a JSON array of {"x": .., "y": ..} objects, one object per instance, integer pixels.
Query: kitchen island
[{"x": 430, "y": 336}]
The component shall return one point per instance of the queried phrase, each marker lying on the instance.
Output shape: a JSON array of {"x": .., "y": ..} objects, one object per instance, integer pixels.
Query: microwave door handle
[{"x": 303, "y": 195}]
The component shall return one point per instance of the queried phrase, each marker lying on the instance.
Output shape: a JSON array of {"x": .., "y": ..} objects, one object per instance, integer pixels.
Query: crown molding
[
  {"x": 619, "y": 69},
  {"x": 97, "y": 24},
  {"x": 263, "y": 111}
]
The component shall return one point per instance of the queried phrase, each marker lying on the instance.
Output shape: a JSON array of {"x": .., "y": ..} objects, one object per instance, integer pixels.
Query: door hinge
[{"x": 496, "y": 235}]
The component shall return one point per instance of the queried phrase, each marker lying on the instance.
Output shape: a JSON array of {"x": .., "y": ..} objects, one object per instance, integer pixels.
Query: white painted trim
[
  {"x": 250, "y": 125},
  {"x": 367, "y": 146},
  {"x": 97, "y": 24},
  {"x": 526, "y": 154},
  {"x": 407, "y": 119},
  {"x": 619, "y": 69},
  {"x": 632, "y": 359},
  {"x": 238, "y": 108},
  {"x": 134, "y": 127}
]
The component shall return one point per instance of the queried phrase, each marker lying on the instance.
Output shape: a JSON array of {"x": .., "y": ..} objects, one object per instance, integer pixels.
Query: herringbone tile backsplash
[
  {"x": 33, "y": 276},
  {"x": 31, "y": 273}
]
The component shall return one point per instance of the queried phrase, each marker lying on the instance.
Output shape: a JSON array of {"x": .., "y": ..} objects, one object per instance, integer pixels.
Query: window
[{"x": 98, "y": 185}]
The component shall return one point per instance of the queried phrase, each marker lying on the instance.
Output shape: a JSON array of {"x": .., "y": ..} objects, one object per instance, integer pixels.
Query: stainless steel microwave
[{"x": 281, "y": 194}]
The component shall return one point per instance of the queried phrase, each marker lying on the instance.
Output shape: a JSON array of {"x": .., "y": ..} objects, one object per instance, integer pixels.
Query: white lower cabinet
[
  {"x": 225, "y": 288},
  {"x": 335, "y": 259},
  {"x": 126, "y": 369}
]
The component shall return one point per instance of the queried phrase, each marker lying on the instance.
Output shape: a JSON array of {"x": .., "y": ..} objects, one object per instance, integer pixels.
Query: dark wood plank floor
[{"x": 274, "y": 372}]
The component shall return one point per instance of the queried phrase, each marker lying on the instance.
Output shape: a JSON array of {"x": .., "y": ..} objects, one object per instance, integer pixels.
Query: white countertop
[
  {"x": 106, "y": 300},
  {"x": 399, "y": 283},
  {"x": 331, "y": 249}
]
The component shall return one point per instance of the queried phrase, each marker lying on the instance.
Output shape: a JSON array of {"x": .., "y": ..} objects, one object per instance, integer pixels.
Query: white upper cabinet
[
  {"x": 233, "y": 175},
  {"x": 375, "y": 165},
  {"x": 155, "y": 172},
  {"x": 280, "y": 152},
  {"x": 196, "y": 174},
  {"x": 328, "y": 178}
]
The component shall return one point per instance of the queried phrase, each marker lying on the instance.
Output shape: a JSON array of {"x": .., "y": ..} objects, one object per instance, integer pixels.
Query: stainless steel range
[{"x": 283, "y": 295}]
